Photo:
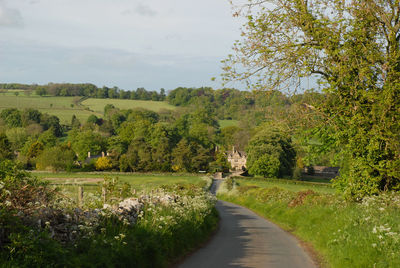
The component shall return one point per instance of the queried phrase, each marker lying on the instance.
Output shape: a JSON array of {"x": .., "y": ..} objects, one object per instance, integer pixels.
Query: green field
[
  {"x": 91, "y": 181},
  {"x": 65, "y": 107},
  {"x": 290, "y": 185},
  {"x": 97, "y": 105},
  {"x": 62, "y": 107},
  {"x": 228, "y": 123}
]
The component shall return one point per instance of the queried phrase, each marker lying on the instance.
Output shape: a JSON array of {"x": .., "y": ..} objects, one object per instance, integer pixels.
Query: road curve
[{"x": 244, "y": 239}]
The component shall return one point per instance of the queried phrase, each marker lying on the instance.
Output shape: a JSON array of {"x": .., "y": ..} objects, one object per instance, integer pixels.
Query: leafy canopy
[{"x": 352, "y": 47}]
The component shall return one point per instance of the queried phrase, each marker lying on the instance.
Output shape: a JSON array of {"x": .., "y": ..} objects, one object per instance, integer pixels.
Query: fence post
[
  {"x": 103, "y": 194},
  {"x": 80, "y": 196}
]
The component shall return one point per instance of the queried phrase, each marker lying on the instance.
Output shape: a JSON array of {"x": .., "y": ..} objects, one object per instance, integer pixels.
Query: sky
[{"x": 126, "y": 43}]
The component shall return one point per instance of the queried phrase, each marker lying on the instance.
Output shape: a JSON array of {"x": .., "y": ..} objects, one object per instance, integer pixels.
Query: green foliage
[
  {"x": 48, "y": 138},
  {"x": 6, "y": 151},
  {"x": 270, "y": 154},
  {"x": 265, "y": 165},
  {"x": 103, "y": 163},
  {"x": 12, "y": 117},
  {"x": 220, "y": 163},
  {"x": 92, "y": 119},
  {"x": 345, "y": 234},
  {"x": 30, "y": 116},
  {"x": 163, "y": 232},
  {"x": 86, "y": 141},
  {"x": 56, "y": 158},
  {"x": 354, "y": 52},
  {"x": 35, "y": 149},
  {"x": 190, "y": 157},
  {"x": 19, "y": 190},
  {"x": 41, "y": 91},
  {"x": 75, "y": 123},
  {"x": 17, "y": 137}
]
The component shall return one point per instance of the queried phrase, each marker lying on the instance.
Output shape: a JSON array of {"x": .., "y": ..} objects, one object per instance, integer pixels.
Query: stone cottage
[{"x": 237, "y": 159}]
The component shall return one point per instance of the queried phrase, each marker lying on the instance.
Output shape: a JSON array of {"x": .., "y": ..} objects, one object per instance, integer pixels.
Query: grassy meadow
[
  {"x": 91, "y": 182},
  {"x": 65, "y": 107},
  {"x": 345, "y": 234},
  {"x": 290, "y": 185},
  {"x": 97, "y": 105},
  {"x": 62, "y": 107},
  {"x": 228, "y": 123}
]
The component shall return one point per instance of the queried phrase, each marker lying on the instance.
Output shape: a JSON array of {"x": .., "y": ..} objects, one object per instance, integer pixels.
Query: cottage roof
[{"x": 240, "y": 153}]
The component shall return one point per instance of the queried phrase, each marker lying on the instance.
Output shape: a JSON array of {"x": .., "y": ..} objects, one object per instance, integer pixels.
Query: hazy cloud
[
  {"x": 145, "y": 10},
  {"x": 9, "y": 17},
  {"x": 156, "y": 44},
  {"x": 170, "y": 37}
]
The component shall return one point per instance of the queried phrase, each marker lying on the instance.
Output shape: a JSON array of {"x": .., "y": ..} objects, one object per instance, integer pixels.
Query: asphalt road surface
[{"x": 244, "y": 239}]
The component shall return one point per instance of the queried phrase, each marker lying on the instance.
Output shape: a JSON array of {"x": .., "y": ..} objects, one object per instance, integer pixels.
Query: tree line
[
  {"x": 182, "y": 140},
  {"x": 88, "y": 90},
  {"x": 134, "y": 140}
]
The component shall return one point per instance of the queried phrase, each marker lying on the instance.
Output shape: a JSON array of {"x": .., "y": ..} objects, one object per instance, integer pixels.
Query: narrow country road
[{"x": 246, "y": 240}]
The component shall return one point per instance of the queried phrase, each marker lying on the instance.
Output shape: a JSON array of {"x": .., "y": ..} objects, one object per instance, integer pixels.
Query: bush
[
  {"x": 103, "y": 163},
  {"x": 56, "y": 159}
]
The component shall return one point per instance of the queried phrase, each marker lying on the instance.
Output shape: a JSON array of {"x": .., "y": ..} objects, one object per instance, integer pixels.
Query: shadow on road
[{"x": 246, "y": 240}]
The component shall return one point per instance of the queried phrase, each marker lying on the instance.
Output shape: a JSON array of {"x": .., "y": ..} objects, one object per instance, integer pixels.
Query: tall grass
[
  {"x": 346, "y": 234},
  {"x": 172, "y": 221}
]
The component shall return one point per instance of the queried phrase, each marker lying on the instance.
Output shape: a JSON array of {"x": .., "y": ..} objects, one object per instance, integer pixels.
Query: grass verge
[{"x": 346, "y": 234}]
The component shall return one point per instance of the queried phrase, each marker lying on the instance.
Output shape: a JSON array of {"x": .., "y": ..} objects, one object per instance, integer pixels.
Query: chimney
[
  {"x": 88, "y": 154},
  {"x": 102, "y": 154}
]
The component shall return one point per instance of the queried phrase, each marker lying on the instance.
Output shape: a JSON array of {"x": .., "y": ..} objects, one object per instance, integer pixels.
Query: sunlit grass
[
  {"x": 291, "y": 185},
  {"x": 91, "y": 182},
  {"x": 228, "y": 123},
  {"x": 344, "y": 233},
  {"x": 97, "y": 105}
]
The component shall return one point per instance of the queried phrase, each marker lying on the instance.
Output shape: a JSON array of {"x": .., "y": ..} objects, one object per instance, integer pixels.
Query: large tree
[
  {"x": 270, "y": 153},
  {"x": 353, "y": 48}
]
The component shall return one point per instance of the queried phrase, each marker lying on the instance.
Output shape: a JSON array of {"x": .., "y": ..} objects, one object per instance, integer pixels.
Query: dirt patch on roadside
[{"x": 299, "y": 199}]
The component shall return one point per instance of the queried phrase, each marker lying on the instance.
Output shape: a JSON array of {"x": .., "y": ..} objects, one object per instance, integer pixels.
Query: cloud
[
  {"x": 126, "y": 12},
  {"x": 145, "y": 10},
  {"x": 170, "y": 37},
  {"x": 9, "y": 17}
]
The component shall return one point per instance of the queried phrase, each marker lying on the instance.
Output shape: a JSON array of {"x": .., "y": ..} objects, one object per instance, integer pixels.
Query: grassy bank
[
  {"x": 115, "y": 227},
  {"x": 346, "y": 234}
]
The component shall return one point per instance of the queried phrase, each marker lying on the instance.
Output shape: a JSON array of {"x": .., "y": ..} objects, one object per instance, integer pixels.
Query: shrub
[
  {"x": 56, "y": 159},
  {"x": 103, "y": 163}
]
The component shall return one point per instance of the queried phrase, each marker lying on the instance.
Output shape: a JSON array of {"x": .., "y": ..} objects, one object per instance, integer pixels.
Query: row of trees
[
  {"x": 143, "y": 141},
  {"x": 227, "y": 103},
  {"x": 89, "y": 90},
  {"x": 135, "y": 140},
  {"x": 193, "y": 127}
]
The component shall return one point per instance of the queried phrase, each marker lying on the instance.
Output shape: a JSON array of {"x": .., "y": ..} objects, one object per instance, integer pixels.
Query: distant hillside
[
  {"x": 65, "y": 107},
  {"x": 97, "y": 105}
]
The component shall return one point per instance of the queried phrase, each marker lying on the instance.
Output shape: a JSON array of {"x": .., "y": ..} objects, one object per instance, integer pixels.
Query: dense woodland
[{"x": 188, "y": 139}]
